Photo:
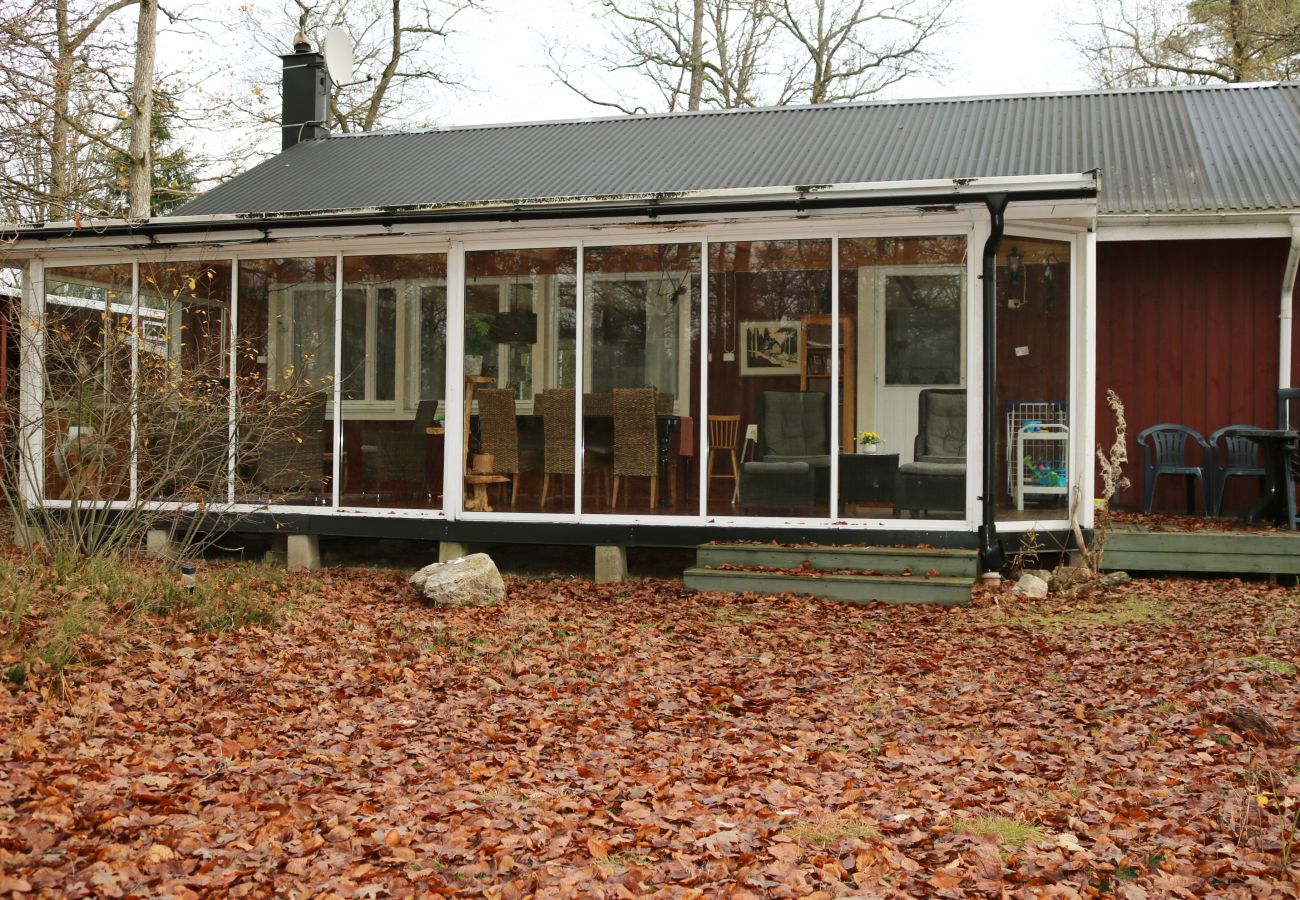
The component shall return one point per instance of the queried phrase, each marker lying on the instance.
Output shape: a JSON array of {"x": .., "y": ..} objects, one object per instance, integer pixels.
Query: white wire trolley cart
[{"x": 1039, "y": 438}]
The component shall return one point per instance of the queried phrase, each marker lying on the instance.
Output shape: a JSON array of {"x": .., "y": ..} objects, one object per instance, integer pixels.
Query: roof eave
[{"x": 948, "y": 190}]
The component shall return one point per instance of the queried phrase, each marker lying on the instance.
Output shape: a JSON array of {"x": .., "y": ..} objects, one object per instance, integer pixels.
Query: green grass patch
[
  {"x": 1012, "y": 832},
  {"x": 56, "y": 615},
  {"x": 1129, "y": 611},
  {"x": 830, "y": 830},
  {"x": 625, "y": 861},
  {"x": 1270, "y": 664}
]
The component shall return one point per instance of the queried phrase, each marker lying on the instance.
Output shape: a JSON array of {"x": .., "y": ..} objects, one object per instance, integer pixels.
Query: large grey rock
[
  {"x": 468, "y": 581},
  {"x": 1030, "y": 586}
]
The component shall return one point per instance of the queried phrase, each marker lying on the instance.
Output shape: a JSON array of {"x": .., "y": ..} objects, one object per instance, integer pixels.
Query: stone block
[
  {"x": 611, "y": 564},
  {"x": 303, "y": 553}
]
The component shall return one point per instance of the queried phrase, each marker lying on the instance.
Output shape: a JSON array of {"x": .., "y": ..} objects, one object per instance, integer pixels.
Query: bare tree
[
  {"x": 1140, "y": 43},
  {"x": 399, "y": 48},
  {"x": 57, "y": 102},
  {"x": 76, "y": 99},
  {"x": 142, "y": 89},
  {"x": 848, "y": 51},
  {"x": 695, "y": 55},
  {"x": 734, "y": 53}
]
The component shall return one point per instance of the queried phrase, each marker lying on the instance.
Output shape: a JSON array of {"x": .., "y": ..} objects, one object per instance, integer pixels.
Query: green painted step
[
  {"x": 1232, "y": 552},
  {"x": 886, "y": 560},
  {"x": 899, "y": 589}
]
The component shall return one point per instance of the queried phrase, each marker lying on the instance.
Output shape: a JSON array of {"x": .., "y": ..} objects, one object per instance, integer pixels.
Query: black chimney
[{"x": 306, "y": 88}]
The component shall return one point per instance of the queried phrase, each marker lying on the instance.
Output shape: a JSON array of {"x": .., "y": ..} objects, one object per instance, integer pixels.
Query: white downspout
[{"x": 1284, "y": 316}]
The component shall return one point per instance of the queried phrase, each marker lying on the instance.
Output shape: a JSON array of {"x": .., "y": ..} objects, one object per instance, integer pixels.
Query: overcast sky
[{"x": 999, "y": 46}]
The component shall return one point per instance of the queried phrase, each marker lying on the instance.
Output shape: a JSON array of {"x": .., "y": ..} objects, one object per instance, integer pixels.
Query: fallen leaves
[{"x": 618, "y": 740}]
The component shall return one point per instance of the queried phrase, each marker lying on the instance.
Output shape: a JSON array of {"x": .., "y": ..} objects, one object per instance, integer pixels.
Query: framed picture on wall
[{"x": 769, "y": 348}]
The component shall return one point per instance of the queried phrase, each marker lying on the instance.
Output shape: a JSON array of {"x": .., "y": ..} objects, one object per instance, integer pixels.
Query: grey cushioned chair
[
  {"x": 792, "y": 470},
  {"x": 936, "y": 477}
]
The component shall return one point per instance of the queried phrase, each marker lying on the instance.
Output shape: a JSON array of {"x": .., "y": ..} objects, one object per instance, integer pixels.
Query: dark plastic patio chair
[
  {"x": 1238, "y": 456},
  {"x": 1164, "y": 452}
]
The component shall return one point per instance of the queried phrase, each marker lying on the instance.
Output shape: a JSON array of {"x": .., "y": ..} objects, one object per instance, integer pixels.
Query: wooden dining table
[{"x": 665, "y": 427}]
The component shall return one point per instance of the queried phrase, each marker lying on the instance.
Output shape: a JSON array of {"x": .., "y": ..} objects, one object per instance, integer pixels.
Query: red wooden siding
[{"x": 1187, "y": 332}]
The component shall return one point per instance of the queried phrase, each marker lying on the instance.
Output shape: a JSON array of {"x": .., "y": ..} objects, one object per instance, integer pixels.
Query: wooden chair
[
  {"x": 499, "y": 434},
  {"x": 636, "y": 444},
  {"x": 724, "y": 431}
]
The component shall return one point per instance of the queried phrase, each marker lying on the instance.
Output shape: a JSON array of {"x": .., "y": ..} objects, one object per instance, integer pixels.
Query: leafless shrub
[{"x": 112, "y": 437}]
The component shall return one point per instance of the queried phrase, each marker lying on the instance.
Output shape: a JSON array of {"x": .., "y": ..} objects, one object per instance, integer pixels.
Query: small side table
[{"x": 868, "y": 478}]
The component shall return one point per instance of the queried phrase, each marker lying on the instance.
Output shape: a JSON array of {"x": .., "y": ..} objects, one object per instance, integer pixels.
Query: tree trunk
[
  {"x": 141, "y": 174},
  {"x": 60, "y": 130},
  {"x": 697, "y": 57}
]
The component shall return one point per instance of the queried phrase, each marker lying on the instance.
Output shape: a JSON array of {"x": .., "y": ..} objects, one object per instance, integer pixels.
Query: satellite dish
[{"x": 338, "y": 56}]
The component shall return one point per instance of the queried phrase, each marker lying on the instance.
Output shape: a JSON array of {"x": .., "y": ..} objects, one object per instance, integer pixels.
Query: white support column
[
  {"x": 702, "y": 449},
  {"x": 336, "y": 388},
  {"x": 31, "y": 385},
  {"x": 579, "y": 373},
  {"x": 1083, "y": 370},
  {"x": 232, "y": 395},
  {"x": 453, "y": 461},
  {"x": 1285, "y": 315},
  {"x": 837, "y": 391}
]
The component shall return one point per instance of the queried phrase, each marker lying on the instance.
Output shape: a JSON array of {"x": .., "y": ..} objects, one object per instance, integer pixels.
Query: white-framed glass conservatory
[{"x": 766, "y": 370}]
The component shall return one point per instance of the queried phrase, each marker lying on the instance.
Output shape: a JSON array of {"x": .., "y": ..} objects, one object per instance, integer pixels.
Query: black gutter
[
  {"x": 992, "y": 557},
  {"x": 652, "y": 209}
]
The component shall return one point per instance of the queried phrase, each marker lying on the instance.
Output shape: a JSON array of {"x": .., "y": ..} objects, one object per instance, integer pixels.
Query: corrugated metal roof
[{"x": 1162, "y": 150}]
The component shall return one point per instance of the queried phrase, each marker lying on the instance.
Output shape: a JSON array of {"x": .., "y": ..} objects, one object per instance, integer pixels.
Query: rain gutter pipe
[
  {"x": 651, "y": 208},
  {"x": 1285, "y": 315},
  {"x": 991, "y": 556}
]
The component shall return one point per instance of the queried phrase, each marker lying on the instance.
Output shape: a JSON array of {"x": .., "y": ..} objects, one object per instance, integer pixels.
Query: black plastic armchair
[
  {"x": 1164, "y": 452},
  {"x": 1231, "y": 454}
]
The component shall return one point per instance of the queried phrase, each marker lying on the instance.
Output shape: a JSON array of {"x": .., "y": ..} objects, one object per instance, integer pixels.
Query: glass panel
[
  {"x": 87, "y": 412},
  {"x": 395, "y": 320},
  {"x": 903, "y": 402},
  {"x": 765, "y": 299},
  {"x": 184, "y": 376},
  {"x": 923, "y": 329},
  {"x": 519, "y": 314},
  {"x": 642, "y": 323},
  {"x": 284, "y": 381},
  {"x": 1033, "y": 333}
]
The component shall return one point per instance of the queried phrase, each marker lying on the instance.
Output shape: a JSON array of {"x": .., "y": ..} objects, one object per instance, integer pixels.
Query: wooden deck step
[
  {"x": 855, "y": 574},
  {"x": 900, "y": 589},
  {"x": 1138, "y": 549},
  {"x": 885, "y": 560}
]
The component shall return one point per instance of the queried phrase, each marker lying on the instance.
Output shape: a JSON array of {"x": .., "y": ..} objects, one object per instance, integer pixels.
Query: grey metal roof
[{"x": 1162, "y": 150}]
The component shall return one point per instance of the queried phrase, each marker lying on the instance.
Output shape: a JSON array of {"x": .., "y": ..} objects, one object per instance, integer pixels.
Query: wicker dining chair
[
  {"x": 499, "y": 433},
  {"x": 556, "y": 407},
  {"x": 291, "y": 459},
  {"x": 636, "y": 445}
]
